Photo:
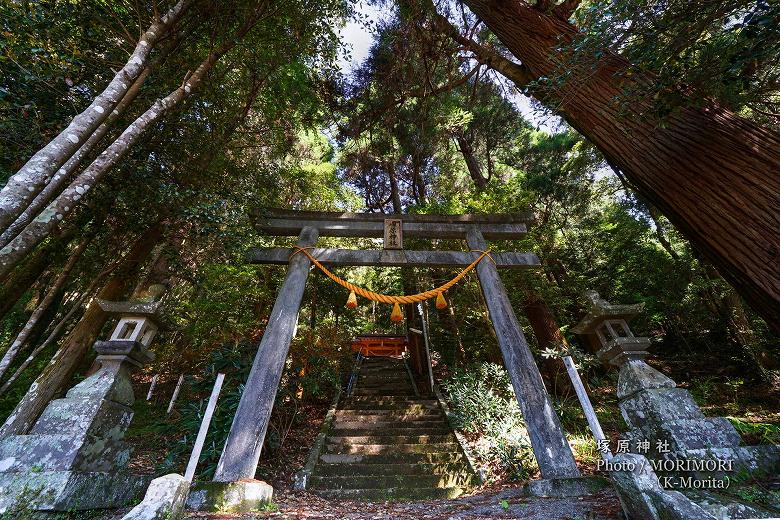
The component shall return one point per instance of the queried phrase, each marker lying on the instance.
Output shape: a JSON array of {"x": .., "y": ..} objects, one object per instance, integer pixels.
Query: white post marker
[
  {"x": 175, "y": 394},
  {"x": 151, "y": 387},
  {"x": 424, "y": 320},
  {"x": 587, "y": 407},
  {"x": 204, "y": 428}
]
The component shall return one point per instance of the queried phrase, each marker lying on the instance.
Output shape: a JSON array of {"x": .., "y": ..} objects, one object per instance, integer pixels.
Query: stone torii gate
[{"x": 242, "y": 449}]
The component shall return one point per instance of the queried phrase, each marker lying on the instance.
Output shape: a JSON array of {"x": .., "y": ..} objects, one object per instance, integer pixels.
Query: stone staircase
[{"x": 388, "y": 444}]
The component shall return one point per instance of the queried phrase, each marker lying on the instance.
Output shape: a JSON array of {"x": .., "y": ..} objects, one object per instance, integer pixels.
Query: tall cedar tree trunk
[
  {"x": 63, "y": 365},
  {"x": 41, "y": 167},
  {"x": 42, "y": 307},
  {"x": 475, "y": 170},
  {"x": 48, "y": 220},
  {"x": 712, "y": 173},
  {"x": 548, "y": 335}
]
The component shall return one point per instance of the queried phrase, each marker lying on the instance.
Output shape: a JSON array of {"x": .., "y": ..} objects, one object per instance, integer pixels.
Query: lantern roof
[
  {"x": 149, "y": 310},
  {"x": 601, "y": 310}
]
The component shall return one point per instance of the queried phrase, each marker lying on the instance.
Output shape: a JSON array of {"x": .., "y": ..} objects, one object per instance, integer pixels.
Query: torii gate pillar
[
  {"x": 242, "y": 448},
  {"x": 548, "y": 441}
]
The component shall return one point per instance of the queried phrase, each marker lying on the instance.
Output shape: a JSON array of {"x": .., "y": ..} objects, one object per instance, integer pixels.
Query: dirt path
[{"x": 508, "y": 503}]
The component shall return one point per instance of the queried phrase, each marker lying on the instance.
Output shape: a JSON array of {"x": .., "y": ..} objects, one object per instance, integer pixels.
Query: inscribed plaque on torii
[{"x": 394, "y": 235}]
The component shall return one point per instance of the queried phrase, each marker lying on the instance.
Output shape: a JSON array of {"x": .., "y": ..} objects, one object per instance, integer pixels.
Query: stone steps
[
  {"x": 411, "y": 430},
  {"x": 385, "y": 415},
  {"x": 390, "y": 386},
  {"x": 381, "y": 401},
  {"x": 382, "y": 449},
  {"x": 392, "y": 468},
  {"x": 380, "y": 391},
  {"x": 395, "y": 403},
  {"x": 387, "y": 481},
  {"x": 382, "y": 420},
  {"x": 382, "y": 425},
  {"x": 388, "y": 444},
  {"x": 391, "y": 494},
  {"x": 392, "y": 439},
  {"x": 378, "y": 378},
  {"x": 391, "y": 458}
]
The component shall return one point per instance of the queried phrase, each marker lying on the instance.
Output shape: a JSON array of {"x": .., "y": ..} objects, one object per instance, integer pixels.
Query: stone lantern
[
  {"x": 137, "y": 322},
  {"x": 664, "y": 421},
  {"x": 74, "y": 456},
  {"x": 609, "y": 323}
]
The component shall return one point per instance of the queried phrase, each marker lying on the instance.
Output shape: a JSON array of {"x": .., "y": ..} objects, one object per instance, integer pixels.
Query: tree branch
[
  {"x": 517, "y": 73},
  {"x": 565, "y": 9}
]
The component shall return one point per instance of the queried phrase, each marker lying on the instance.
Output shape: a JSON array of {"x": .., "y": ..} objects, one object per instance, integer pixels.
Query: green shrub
[
  {"x": 317, "y": 383},
  {"x": 484, "y": 407}
]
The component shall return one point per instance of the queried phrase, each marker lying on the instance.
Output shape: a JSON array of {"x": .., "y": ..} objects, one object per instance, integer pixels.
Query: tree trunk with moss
[{"x": 45, "y": 165}]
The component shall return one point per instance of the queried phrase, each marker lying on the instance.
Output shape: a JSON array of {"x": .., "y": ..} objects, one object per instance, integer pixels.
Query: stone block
[
  {"x": 37, "y": 453},
  {"x": 762, "y": 460},
  {"x": 20, "y": 453},
  {"x": 728, "y": 507},
  {"x": 75, "y": 457},
  {"x": 643, "y": 498},
  {"x": 636, "y": 375},
  {"x": 164, "y": 499},
  {"x": 243, "y": 496},
  {"x": 112, "y": 382},
  {"x": 565, "y": 487},
  {"x": 686, "y": 434},
  {"x": 67, "y": 490},
  {"x": 658, "y": 406},
  {"x": 83, "y": 416}
]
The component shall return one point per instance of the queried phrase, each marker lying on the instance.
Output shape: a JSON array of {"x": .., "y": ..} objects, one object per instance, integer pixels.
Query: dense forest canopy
[{"x": 187, "y": 117}]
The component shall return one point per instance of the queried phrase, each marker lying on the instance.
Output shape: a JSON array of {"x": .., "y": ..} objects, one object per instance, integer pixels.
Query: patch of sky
[{"x": 358, "y": 35}]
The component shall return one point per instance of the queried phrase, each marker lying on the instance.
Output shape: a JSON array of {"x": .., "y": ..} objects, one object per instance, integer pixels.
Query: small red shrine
[{"x": 372, "y": 345}]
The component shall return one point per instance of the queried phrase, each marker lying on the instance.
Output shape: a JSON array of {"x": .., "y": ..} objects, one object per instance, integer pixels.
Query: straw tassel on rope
[
  {"x": 352, "y": 300},
  {"x": 397, "y": 316}
]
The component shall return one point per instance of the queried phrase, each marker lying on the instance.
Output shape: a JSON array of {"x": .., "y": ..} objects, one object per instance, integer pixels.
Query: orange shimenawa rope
[{"x": 385, "y": 298}]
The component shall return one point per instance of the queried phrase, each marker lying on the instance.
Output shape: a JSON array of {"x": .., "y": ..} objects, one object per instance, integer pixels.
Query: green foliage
[
  {"x": 53, "y": 57},
  {"x": 696, "y": 51},
  {"x": 765, "y": 433},
  {"x": 483, "y": 405},
  {"x": 759, "y": 495}
]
